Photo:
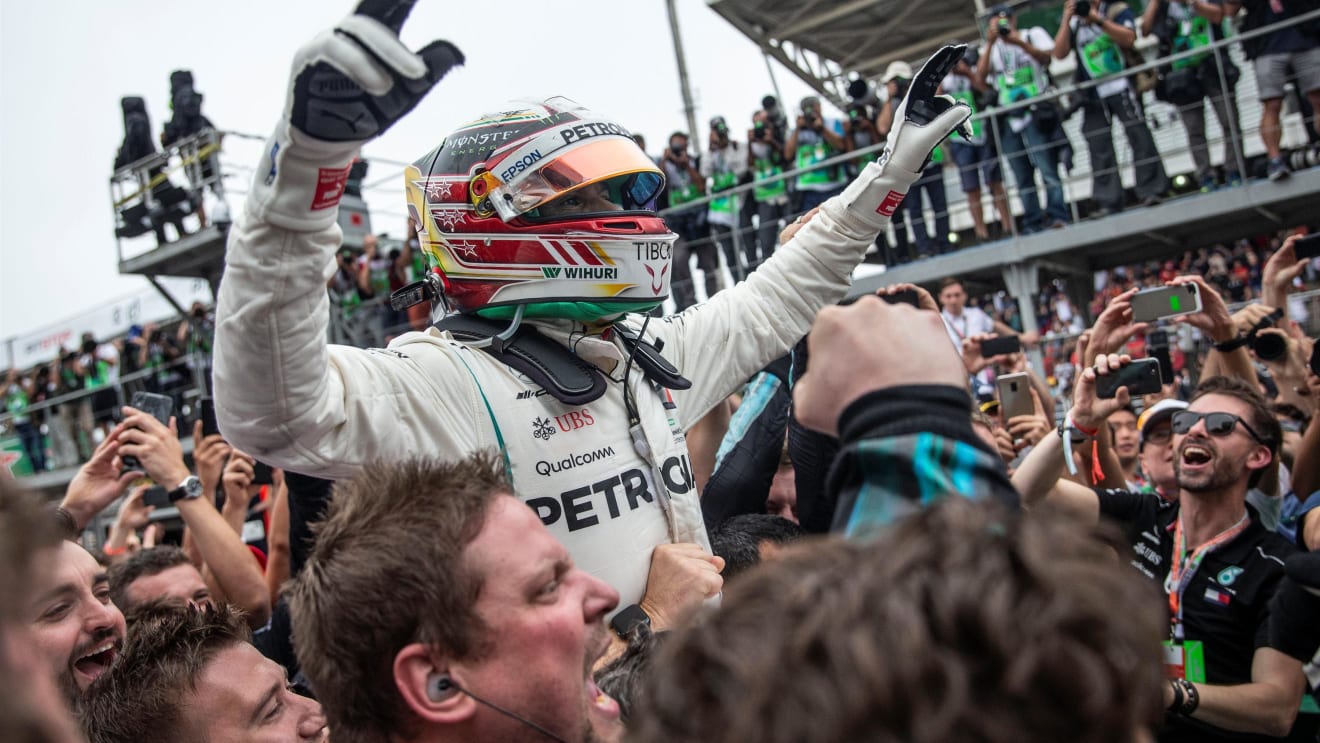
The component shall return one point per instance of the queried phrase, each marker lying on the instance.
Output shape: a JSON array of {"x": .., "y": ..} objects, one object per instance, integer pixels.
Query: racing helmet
[{"x": 543, "y": 205}]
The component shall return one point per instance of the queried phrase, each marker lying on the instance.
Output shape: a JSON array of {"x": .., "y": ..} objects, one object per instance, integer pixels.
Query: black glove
[{"x": 349, "y": 84}]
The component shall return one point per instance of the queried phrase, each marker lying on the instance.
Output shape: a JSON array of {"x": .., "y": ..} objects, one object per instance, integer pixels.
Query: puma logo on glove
[{"x": 349, "y": 84}]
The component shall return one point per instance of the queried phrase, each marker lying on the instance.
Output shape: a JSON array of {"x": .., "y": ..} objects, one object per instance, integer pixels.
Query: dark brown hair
[
  {"x": 967, "y": 621},
  {"x": 141, "y": 696},
  {"x": 387, "y": 570},
  {"x": 145, "y": 563}
]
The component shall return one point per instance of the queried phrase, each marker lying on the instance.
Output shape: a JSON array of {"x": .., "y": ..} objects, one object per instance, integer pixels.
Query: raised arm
[
  {"x": 229, "y": 560},
  {"x": 280, "y": 391},
  {"x": 723, "y": 342}
]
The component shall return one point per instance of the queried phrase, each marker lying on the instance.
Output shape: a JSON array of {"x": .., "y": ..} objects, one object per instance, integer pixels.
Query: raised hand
[{"x": 349, "y": 84}]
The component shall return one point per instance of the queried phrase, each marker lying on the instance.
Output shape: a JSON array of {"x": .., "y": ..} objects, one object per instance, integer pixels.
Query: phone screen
[
  {"x": 1165, "y": 301},
  {"x": 1000, "y": 346},
  {"x": 262, "y": 474},
  {"x": 209, "y": 426},
  {"x": 1307, "y": 247},
  {"x": 903, "y": 296}
]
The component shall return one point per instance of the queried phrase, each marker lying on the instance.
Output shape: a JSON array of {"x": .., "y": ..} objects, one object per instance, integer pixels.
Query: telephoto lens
[
  {"x": 1269, "y": 346},
  {"x": 1082, "y": 9}
]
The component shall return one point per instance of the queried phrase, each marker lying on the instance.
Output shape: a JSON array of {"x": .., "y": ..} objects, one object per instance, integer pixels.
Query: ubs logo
[{"x": 575, "y": 420}]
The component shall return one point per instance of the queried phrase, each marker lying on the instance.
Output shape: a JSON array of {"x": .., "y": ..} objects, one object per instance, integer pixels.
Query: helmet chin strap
[{"x": 496, "y": 342}]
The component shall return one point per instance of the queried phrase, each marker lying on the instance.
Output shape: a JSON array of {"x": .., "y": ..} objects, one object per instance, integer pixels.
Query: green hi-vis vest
[
  {"x": 1018, "y": 86},
  {"x": 1193, "y": 33},
  {"x": 1102, "y": 57},
  {"x": 810, "y": 155},
  {"x": 723, "y": 181},
  {"x": 683, "y": 194},
  {"x": 978, "y": 128},
  {"x": 16, "y": 402},
  {"x": 100, "y": 377},
  {"x": 766, "y": 190}
]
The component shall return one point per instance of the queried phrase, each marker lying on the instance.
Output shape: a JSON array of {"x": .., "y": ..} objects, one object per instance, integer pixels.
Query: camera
[
  {"x": 1003, "y": 26},
  {"x": 1082, "y": 9},
  {"x": 902, "y": 88},
  {"x": 1270, "y": 346}
]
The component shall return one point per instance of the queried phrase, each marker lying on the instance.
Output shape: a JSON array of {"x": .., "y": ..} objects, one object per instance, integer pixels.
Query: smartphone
[
  {"x": 156, "y": 496},
  {"x": 999, "y": 346},
  {"x": 1315, "y": 359},
  {"x": 1163, "y": 302},
  {"x": 1014, "y": 396},
  {"x": 1141, "y": 377},
  {"x": 1157, "y": 347},
  {"x": 209, "y": 426},
  {"x": 161, "y": 407},
  {"x": 1307, "y": 247},
  {"x": 903, "y": 296},
  {"x": 262, "y": 474}
]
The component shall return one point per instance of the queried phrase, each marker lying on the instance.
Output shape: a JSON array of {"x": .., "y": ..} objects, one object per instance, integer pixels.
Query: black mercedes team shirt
[{"x": 1226, "y": 606}]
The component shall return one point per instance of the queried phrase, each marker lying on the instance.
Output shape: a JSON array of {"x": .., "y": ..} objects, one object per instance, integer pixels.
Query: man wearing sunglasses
[{"x": 1219, "y": 568}]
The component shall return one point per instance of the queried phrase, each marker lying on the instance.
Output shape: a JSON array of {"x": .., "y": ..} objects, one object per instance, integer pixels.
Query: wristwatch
[
  {"x": 189, "y": 489},
  {"x": 628, "y": 619}
]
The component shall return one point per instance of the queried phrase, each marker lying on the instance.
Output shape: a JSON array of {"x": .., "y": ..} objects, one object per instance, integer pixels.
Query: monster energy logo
[{"x": 555, "y": 272}]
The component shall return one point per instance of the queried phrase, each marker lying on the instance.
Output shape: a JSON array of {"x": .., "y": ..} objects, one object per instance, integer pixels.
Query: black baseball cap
[{"x": 1002, "y": 9}]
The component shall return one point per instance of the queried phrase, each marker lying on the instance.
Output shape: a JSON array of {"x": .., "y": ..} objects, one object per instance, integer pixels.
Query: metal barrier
[
  {"x": 145, "y": 198},
  {"x": 68, "y": 431},
  {"x": 1172, "y": 146}
]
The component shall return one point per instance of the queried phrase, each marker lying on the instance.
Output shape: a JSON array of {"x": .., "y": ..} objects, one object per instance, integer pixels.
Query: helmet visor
[{"x": 615, "y": 167}]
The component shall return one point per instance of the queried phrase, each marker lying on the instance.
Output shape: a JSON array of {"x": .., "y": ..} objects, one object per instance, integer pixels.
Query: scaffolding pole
[{"x": 688, "y": 107}]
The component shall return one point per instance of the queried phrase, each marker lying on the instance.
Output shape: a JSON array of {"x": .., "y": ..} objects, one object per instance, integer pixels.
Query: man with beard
[
  {"x": 1228, "y": 674},
  {"x": 71, "y": 620},
  {"x": 436, "y": 607}
]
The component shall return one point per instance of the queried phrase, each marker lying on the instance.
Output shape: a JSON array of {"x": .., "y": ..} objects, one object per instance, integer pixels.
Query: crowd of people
[
  {"x": 63, "y": 409},
  {"x": 1008, "y": 70},
  {"x": 554, "y": 516}
]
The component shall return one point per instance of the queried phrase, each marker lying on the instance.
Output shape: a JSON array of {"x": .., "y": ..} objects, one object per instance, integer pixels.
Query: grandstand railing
[
  {"x": 143, "y": 192},
  {"x": 1166, "y": 128}
]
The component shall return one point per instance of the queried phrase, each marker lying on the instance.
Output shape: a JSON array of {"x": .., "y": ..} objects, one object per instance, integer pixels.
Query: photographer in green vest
[
  {"x": 1187, "y": 83},
  {"x": 765, "y": 157},
  {"x": 812, "y": 142},
  {"x": 1097, "y": 34}
]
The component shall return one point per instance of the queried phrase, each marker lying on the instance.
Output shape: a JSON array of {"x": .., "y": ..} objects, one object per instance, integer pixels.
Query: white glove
[
  {"x": 922, "y": 121},
  {"x": 348, "y": 85}
]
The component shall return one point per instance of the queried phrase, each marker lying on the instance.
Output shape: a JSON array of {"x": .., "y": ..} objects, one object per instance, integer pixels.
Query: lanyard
[{"x": 1184, "y": 567}]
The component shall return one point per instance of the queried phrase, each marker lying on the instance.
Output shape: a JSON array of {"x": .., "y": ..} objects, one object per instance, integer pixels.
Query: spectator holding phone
[{"x": 234, "y": 575}]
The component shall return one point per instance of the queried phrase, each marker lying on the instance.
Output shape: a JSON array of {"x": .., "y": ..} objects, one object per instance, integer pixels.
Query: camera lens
[{"x": 1269, "y": 347}]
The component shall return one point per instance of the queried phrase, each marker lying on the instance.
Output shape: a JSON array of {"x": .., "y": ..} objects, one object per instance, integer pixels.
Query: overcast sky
[{"x": 65, "y": 65}]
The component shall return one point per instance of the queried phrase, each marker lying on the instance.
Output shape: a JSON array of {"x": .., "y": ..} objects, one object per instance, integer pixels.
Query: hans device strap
[{"x": 566, "y": 377}]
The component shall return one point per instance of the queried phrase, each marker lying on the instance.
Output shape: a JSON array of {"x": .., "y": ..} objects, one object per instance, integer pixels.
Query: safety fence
[{"x": 1153, "y": 158}]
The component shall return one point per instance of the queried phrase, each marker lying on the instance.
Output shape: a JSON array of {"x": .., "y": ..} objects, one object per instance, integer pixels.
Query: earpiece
[{"x": 440, "y": 687}]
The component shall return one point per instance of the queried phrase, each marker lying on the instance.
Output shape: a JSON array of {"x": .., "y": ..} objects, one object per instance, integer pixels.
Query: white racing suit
[
  {"x": 291, "y": 400},
  {"x": 288, "y": 398}
]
